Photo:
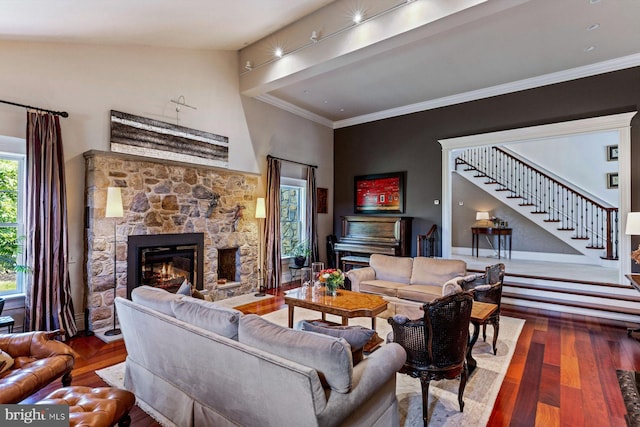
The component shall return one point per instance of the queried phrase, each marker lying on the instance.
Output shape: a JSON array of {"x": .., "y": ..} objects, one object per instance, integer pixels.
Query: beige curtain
[
  {"x": 312, "y": 213},
  {"x": 272, "y": 229},
  {"x": 48, "y": 302}
]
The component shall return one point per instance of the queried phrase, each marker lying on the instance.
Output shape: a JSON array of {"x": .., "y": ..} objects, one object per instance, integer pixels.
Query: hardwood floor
[{"x": 563, "y": 372}]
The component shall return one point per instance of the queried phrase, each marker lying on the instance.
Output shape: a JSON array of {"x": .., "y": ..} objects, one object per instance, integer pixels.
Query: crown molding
[{"x": 533, "y": 82}]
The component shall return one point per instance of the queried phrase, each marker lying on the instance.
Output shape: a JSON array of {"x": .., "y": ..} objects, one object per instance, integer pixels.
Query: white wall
[
  {"x": 88, "y": 81},
  {"x": 578, "y": 159}
]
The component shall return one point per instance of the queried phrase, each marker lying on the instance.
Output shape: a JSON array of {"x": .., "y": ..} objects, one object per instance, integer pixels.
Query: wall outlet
[{"x": 436, "y": 202}]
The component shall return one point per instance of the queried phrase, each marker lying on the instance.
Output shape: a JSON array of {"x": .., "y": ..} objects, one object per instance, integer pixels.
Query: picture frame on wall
[
  {"x": 379, "y": 193},
  {"x": 612, "y": 180},
  {"x": 323, "y": 204},
  {"x": 612, "y": 153}
]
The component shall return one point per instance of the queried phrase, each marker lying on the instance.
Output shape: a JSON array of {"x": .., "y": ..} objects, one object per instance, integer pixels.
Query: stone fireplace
[{"x": 165, "y": 198}]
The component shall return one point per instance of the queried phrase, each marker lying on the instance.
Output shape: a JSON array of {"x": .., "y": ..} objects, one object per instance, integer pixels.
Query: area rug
[
  {"x": 629, "y": 387},
  {"x": 479, "y": 395}
]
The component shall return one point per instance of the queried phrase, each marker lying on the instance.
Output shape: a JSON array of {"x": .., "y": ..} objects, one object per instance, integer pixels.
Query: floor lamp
[
  {"x": 114, "y": 210},
  {"x": 261, "y": 214}
]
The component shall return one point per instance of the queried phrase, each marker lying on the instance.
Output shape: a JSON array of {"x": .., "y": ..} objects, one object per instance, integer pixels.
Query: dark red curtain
[
  {"x": 48, "y": 301},
  {"x": 312, "y": 213},
  {"x": 272, "y": 237}
]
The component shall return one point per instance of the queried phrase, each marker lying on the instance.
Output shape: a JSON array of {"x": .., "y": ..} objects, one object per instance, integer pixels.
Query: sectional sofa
[{"x": 200, "y": 364}]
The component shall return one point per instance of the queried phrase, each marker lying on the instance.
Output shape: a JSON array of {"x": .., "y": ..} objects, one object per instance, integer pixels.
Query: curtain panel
[
  {"x": 312, "y": 213},
  {"x": 48, "y": 300},
  {"x": 272, "y": 234}
]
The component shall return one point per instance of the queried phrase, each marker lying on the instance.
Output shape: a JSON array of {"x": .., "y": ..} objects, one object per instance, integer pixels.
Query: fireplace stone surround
[{"x": 165, "y": 197}]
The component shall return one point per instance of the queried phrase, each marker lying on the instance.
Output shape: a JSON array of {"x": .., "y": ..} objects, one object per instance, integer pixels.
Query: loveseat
[
  {"x": 407, "y": 283},
  {"x": 200, "y": 364},
  {"x": 32, "y": 361}
]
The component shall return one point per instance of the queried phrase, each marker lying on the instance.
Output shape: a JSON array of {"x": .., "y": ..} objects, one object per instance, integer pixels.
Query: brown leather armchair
[{"x": 38, "y": 360}]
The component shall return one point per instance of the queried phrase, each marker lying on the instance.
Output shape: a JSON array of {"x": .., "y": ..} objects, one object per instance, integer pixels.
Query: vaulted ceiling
[{"x": 404, "y": 56}]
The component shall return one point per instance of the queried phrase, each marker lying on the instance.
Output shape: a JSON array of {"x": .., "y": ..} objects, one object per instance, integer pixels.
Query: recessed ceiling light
[
  {"x": 278, "y": 52},
  {"x": 592, "y": 27},
  {"x": 342, "y": 110},
  {"x": 589, "y": 49},
  {"x": 326, "y": 102},
  {"x": 357, "y": 17}
]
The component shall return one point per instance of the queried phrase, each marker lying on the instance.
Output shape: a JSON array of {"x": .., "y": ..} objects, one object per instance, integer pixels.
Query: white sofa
[
  {"x": 407, "y": 283},
  {"x": 197, "y": 377}
]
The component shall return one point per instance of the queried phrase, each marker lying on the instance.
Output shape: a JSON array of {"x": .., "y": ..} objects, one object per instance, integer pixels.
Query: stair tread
[
  {"x": 577, "y": 304},
  {"x": 570, "y": 291}
]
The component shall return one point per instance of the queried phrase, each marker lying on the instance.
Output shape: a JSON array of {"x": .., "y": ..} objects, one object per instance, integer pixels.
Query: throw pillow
[
  {"x": 208, "y": 315},
  {"x": 356, "y": 336},
  {"x": 329, "y": 356},
  {"x": 451, "y": 287},
  {"x": 6, "y": 361},
  {"x": 196, "y": 293},
  {"x": 184, "y": 289}
]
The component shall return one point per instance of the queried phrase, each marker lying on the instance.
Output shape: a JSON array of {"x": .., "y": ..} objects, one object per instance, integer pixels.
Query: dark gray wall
[{"x": 410, "y": 143}]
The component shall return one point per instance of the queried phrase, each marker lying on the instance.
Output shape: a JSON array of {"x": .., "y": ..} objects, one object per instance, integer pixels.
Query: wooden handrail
[{"x": 430, "y": 237}]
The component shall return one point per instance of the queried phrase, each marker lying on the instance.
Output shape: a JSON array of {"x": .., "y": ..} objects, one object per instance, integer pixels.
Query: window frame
[
  {"x": 302, "y": 185},
  {"x": 15, "y": 149}
]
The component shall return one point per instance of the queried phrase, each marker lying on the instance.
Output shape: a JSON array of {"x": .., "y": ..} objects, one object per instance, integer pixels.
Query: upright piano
[{"x": 363, "y": 235}]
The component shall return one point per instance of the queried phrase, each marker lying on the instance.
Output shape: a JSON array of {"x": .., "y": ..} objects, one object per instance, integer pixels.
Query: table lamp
[
  {"x": 633, "y": 229},
  {"x": 482, "y": 220}
]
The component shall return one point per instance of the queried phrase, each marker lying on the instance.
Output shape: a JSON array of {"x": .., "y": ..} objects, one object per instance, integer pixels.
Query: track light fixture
[{"x": 357, "y": 18}]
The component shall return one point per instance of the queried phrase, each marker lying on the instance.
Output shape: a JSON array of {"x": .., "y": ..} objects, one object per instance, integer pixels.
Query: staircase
[{"x": 589, "y": 226}]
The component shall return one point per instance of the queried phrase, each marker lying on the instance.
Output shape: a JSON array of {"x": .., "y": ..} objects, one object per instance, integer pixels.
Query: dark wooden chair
[
  {"x": 436, "y": 345},
  {"x": 488, "y": 288}
]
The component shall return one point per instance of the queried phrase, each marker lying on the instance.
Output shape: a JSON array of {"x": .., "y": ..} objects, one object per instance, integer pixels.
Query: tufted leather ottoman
[{"x": 94, "y": 407}]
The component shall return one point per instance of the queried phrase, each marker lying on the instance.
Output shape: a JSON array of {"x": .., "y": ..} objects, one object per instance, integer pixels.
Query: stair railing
[{"x": 572, "y": 210}]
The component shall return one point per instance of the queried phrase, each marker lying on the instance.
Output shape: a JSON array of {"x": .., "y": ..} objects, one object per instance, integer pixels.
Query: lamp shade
[
  {"x": 260, "y": 209},
  {"x": 633, "y": 223},
  {"x": 482, "y": 215},
  {"x": 114, "y": 203}
]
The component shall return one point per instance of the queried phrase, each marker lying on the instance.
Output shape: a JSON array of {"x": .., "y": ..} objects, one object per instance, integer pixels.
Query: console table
[{"x": 477, "y": 231}]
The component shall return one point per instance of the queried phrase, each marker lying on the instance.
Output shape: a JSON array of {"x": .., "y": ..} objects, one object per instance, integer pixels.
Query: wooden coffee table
[{"x": 346, "y": 304}]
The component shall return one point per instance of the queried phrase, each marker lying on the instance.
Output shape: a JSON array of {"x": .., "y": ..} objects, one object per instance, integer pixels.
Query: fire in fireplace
[{"x": 165, "y": 261}]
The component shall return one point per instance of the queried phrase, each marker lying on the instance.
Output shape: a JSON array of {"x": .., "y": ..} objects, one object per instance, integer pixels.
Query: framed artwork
[
  {"x": 612, "y": 152},
  {"x": 322, "y": 195},
  {"x": 612, "y": 180},
  {"x": 381, "y": 193}
]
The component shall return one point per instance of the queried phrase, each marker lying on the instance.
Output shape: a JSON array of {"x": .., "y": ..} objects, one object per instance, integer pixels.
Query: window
[
  {"x": 292, "y": 214},
  {"x": 12, "y": 171}
]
